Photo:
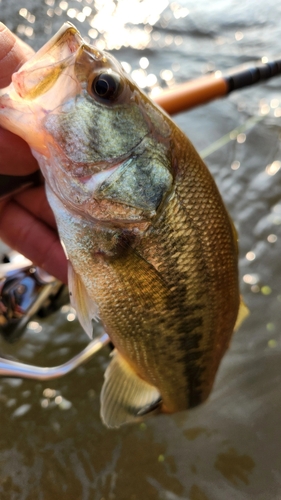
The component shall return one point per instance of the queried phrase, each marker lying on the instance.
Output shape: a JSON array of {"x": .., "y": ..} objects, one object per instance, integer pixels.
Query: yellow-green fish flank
[{"x": 152, "y": 251}]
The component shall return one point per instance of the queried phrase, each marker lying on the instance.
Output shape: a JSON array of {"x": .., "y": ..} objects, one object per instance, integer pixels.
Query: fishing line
[{"x": 231, "y": 136}]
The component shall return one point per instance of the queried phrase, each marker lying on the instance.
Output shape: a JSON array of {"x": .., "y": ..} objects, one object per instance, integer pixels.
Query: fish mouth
[
  {"x": 35, "y": 78},
  {"x": 41, "y": 72}
]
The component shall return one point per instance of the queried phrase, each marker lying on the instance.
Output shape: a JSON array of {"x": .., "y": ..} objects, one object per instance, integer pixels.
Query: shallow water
[{"x": 52, "y": 442}]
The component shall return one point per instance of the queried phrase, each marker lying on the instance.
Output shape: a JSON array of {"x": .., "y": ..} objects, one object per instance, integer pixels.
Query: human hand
[{"x": 27, "y": 223}]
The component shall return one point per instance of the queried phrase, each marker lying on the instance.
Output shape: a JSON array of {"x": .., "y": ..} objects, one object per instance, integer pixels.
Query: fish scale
[{"x": 188, "y": 325}]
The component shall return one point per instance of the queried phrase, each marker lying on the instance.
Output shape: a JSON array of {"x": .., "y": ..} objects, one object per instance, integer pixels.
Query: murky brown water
[{"x": 52, "y": 443}]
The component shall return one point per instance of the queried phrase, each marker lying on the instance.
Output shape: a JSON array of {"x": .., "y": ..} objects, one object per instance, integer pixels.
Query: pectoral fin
[
  {"x": 125, "y": 397},
  {"x": 85, "y": 307}
]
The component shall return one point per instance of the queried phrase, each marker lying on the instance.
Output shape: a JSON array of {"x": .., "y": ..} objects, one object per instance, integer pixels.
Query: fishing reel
[{"x": 25, "y": 291}]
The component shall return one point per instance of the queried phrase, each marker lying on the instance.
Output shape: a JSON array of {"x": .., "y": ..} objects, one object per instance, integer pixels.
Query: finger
[
  {"x": 22, "y": 231},
  {"x": 34, "y": 200},
  {"x": 16, "y": 157},
  {"x": 26, "y": 49},
  {"x": 13, "y": 53}
]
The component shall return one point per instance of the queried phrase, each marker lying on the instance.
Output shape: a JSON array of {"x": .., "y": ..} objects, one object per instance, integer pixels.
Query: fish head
[{"x": 102, "y": 145}]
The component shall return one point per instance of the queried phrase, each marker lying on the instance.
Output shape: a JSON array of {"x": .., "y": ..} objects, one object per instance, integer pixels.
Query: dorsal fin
[
  {"x": 125, "y": 397},
  {"x": 243, "y": 312},
  {"x": 85, "y": 307}
]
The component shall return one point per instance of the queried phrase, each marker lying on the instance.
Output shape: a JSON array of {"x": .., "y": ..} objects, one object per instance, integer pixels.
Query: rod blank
[{"x": 207, "y": 88}]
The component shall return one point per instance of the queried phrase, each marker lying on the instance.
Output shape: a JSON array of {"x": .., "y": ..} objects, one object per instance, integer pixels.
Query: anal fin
[{"x": 125, "y": 397}]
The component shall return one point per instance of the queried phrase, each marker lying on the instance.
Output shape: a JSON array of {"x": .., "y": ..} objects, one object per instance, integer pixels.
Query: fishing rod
[
  {"x": 24, "y": 290},
  {"x": 201, "y": 90}
]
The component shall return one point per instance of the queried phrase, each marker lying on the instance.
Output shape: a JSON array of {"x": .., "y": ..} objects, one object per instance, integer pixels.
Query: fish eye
[{"x": 106, "y": 87}]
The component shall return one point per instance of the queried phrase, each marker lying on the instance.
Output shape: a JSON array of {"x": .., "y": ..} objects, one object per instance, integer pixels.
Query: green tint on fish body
[{"x": 151, "y": 249}]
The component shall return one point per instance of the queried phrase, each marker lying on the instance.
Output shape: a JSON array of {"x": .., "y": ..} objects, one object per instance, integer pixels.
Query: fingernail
[{"x": 2, "y": 27}]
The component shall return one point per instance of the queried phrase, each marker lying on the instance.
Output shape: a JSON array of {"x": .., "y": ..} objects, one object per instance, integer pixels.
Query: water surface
[{"x": 52, "y": 442}]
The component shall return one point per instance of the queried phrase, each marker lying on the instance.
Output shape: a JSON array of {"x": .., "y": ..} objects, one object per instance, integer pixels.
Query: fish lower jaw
[{"x": 16, "y": 117}]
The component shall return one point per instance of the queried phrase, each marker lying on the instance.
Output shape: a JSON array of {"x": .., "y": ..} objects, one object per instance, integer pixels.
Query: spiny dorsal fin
[
  {"x": 125, "y": 396},
  {"x": 85, "y": 307}
]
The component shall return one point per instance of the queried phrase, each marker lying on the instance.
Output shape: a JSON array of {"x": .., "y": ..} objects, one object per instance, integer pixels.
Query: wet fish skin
[{"x": 152, "y": 250}]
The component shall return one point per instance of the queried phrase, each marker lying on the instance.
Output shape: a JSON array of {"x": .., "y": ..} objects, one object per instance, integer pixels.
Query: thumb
[
  {"x": 13, "y": 53},
  {"x": 15, "y": 158}
]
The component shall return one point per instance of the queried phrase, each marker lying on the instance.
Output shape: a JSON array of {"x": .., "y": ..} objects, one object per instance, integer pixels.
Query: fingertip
[
  {"x": 26, "y": 49},
  {"x": 16, "y": 157},
  {"x": 12, "y": 55}
]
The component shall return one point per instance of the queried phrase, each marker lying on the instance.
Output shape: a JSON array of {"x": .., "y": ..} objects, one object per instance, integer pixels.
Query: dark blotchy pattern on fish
[{"x": 81, "y": 131}]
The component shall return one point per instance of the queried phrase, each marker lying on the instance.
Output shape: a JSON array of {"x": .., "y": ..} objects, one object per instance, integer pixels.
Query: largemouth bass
[{"x": 152, "y": 251}]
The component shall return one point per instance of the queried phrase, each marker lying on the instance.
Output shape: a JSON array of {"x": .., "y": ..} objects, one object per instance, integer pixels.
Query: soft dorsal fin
[
  {"x": 125, "y": 397},
  {"x": 85, "y": 307},
  {"x": 243, "y": 312}
]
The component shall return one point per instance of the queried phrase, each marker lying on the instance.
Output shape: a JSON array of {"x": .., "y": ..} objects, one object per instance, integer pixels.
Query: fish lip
[
  {"x": 68, "y": 26},
  {"x": 41, "y": 71}
]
